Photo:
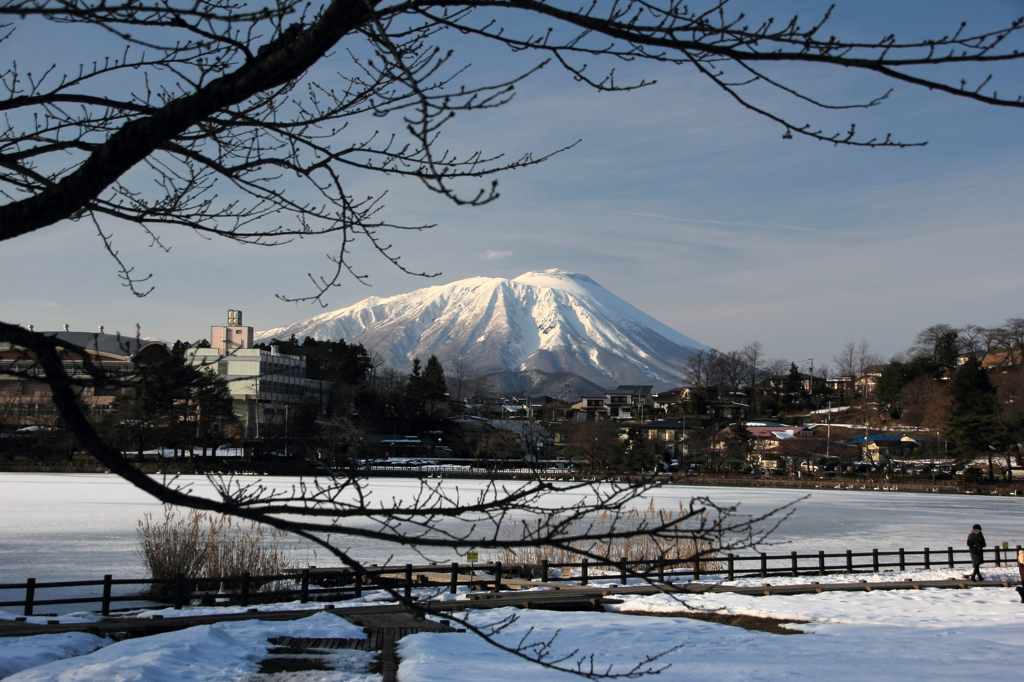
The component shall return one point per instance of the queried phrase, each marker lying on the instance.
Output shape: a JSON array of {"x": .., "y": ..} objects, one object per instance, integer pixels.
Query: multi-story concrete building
[
  {"x": 26, "y": 400},
  {"x": 264, "y": 384}
]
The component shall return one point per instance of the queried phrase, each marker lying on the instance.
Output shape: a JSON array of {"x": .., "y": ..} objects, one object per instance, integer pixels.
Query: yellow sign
[{"x": 472, "y": 556}]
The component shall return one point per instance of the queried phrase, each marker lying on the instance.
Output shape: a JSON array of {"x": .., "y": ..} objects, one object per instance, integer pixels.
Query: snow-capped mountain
[{"x": 550, "y": 321}]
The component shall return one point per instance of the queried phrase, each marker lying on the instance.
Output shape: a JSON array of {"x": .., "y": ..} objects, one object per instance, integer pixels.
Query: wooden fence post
[
  {"x": 794, "y": 571},
  {"x": 731, "y": 567},
  {"x": 903, "y": 560},
  {"x": 927, "y": 559},
  {"x": 453, "y": 586},
  {"x": 497, "y": 576},
  {"x": 949, "y": 556},
  {"x": 358, "y": 584},
  {"x": 696, "y": 566},
  {"x": 764, "y": 565},
  {"x": 544, "y": 570},
  {"x": 821, "y": 562},
  {"x": 246, "y": 584},
  {"x": 661, "y": 571},
  {"x": 996, "y": 548},
  {"x": 30, "y": 595},
  {"x": 408, "y": 582},
  {"x": 179, "y": 591},
  {"x": 874, "y": 560},
  {"x": 622, "y": 570},
  {"x": 105, "y": 608},
  {"x": 849, "y": 561},
  {"x": 304, "y": 594},
  {"x": 584, "y": 572}
]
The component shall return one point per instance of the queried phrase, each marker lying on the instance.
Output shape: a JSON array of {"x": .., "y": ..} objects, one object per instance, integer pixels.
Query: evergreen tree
[
  {"x": 740, "y": 443},
  {"x": 698, "y": 403},
  {"x": 974, "y": 425},
  {"x": 641, "y": 454},
  {"x": 190, "y": 405},
  {"x": 415, "y": 390},
  {"x": 434, "y": 387},
  {"x": 889, "y": 388},
  {"x": 794, "y": 382},
  {"x": 947, "y": 349},
  {"x": 897, "y": 375}
]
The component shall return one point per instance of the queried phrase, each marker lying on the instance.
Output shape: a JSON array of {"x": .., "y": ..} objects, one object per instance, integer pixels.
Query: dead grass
[
  {"x": 198, "y": 544},
  {"x": 640, "y": 548}
]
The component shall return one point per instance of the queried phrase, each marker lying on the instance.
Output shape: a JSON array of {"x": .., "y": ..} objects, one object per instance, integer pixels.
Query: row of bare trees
[{"x": 1000, "y": 346}]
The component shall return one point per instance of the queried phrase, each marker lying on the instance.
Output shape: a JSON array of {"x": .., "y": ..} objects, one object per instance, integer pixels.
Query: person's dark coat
[{"x": 976, "y": 543}]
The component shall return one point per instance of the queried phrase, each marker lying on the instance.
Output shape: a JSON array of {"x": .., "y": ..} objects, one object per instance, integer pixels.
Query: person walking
[
  {"x": 976, "y": 545},
  {"x": 1020, "y": 567}
]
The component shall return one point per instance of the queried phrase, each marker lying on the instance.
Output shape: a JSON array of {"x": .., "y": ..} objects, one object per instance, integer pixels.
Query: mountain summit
[{"x": 549, "y": 321}]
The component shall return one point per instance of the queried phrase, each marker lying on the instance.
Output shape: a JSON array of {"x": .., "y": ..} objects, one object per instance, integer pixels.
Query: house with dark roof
[
  {"x": 616, "y": 404},
  {"x": 667, "y": 435}
]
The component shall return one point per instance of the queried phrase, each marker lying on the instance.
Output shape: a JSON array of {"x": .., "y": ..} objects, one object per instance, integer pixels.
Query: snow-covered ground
[
  {"x": 225, "y": 652},
  {"x": 61, "y": 527},
  {"x": 975, "y": 633}
]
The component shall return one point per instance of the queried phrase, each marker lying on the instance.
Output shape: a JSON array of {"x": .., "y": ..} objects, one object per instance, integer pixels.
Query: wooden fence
[{"x": 337, "y": 584}]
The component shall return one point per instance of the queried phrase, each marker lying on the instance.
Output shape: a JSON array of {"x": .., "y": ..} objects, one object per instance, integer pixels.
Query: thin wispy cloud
[
  {"x": 759, "y": 226},
  {"x": 495, "y": 255}
]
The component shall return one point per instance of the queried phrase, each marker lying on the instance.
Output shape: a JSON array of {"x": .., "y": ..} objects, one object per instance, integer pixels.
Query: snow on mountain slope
[{"x": 551, "y": 321}]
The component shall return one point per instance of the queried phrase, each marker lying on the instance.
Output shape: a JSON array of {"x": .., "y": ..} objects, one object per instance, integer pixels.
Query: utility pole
[{"x": 828, "y": 432}]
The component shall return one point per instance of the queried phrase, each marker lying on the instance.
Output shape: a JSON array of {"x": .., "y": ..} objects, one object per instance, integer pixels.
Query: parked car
[{"x": 971, "y": 473}]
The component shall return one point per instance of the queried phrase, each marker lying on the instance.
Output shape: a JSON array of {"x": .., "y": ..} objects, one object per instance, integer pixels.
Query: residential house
[
  {"x": 667, "y": 435},
  {"x": 883, "y": 448},
  {"x": 616, "y": 404},
  {"x": 868, "y": 380},
  {"x": 767, "y": 437},
  {"x": 642, "y": 399},
  {"x": 670, "y": 401}
]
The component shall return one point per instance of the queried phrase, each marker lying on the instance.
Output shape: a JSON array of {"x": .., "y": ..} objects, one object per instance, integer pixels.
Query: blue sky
[{"x": 676, "y": 199}]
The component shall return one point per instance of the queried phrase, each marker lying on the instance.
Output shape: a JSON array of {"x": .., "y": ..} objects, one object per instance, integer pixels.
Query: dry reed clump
[
  {"x": 678, "y": 550},
  {"x": 199, "y": 544}
]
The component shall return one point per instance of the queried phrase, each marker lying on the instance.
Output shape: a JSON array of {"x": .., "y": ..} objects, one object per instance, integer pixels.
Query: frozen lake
[{"x": 82, "y": 526}]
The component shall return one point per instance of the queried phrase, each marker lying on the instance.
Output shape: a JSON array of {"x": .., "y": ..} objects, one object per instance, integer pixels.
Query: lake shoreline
[{"x": 201, "y": 466}]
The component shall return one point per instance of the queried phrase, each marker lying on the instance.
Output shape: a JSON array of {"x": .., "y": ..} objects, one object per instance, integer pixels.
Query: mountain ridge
[{"x": 551, "y": 321}]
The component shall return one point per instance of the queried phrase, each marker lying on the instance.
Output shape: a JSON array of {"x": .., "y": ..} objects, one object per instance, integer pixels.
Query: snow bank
[
  {"x": 22, "y": 653},
  {"x": 927, "y": 634},
  {"x": 206, "y": 653}
]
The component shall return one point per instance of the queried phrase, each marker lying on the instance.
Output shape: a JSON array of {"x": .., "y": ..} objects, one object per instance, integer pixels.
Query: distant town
[{"x": 951, "y": 408}]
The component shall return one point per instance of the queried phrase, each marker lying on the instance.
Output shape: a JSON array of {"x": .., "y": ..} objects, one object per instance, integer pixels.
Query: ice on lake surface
[{"x": 82, "y": 526}]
